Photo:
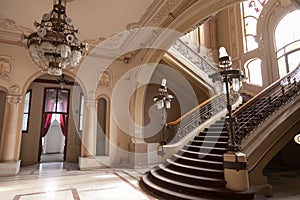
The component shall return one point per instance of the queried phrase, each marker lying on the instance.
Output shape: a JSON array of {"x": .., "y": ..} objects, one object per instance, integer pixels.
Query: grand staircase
[{"x": 195, "y": 171}]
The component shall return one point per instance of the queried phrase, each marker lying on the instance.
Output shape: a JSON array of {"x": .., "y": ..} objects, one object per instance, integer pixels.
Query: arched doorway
[
  {"x": 52, "y": 122},
  {"x": 54, "y": 130}
]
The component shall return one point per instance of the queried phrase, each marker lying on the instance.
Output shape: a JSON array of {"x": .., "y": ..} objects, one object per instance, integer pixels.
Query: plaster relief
[
  {"x": 105, "y": 78},
  {"x": 6, "y": 68},
  {"x": 165, "y": 12}
]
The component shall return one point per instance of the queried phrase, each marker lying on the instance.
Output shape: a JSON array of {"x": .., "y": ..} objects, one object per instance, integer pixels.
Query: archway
[{"x": 51, "y": 116}]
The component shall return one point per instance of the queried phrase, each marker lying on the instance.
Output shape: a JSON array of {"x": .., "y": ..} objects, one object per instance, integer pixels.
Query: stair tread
[
  {"x": 214, "y": 132},
  {"x": 201, "y": 153},
  {"x": 214, "y": 142},
  {"x": 213, "y": 190},
  {"x": 195, "y": 168},
  {"x": 171, "y": 192},
  {"x": 161, "y": 166},
  {"x": 182, "y": 184},
  {"x": 212, "y": 136},
  {"x": 206, "y": 147},
  {"x": 198, "y": 160}
]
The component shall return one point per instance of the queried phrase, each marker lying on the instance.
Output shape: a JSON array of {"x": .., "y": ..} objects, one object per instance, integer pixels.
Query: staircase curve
[{"x": 264, "y": 125}]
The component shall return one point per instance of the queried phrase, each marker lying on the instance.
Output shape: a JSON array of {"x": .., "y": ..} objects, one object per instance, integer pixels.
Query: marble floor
[
  {"x": 52, "y": 157},
  {"x": 63, "y": 181}
]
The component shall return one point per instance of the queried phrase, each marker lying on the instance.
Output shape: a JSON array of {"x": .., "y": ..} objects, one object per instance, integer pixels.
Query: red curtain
[
  {"x": 47, "y": 124},
  {"x": 63, "y": 119}
]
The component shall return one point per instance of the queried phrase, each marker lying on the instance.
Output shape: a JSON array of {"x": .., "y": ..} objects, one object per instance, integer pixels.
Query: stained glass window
[
  {"x": 26, "y": 111},
  {"x": 251, "y": 12}
]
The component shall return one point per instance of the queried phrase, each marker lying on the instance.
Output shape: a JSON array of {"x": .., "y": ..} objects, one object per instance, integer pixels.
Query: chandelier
[{"x": 55, "y": 45}]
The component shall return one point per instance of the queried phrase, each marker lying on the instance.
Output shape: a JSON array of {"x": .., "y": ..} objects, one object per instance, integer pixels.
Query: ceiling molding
[{"x": 12, "y": 26}]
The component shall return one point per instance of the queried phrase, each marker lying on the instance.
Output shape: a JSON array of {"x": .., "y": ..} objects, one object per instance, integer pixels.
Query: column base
[
  {"x": 235, "y": 171},
  {"x": 89, "y": 163},
  {"x": 144, "y": 155},
  {"x": 10, "y": 168}
]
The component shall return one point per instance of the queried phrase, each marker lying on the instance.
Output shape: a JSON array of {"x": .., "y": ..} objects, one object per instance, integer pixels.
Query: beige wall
[{"x": 187, "y": 92}]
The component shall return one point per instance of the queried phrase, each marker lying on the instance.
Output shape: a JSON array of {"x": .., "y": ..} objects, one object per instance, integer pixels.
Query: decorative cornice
[
  {"x": 165, "y": 12},
  {"x": 156, "y": 14}
]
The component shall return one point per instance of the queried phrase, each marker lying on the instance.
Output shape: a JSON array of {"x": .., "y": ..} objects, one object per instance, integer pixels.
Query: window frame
[
  {"x": 81, "y": 113},
  {"x": 27, "y": 113},
  {"x": 249, "y": 75}
]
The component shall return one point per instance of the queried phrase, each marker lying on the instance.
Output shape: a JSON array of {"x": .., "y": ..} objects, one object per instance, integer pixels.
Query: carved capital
[
  {"x": 91, "y": 100},
  {"x": 91, "y": 103},
  {"x": 14, "y": 99}
]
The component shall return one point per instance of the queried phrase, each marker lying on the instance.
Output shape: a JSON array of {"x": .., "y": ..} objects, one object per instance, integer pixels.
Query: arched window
[
  {"x": 253, "y": 72},
  {"x": 287, "y": 41},
  {"x": 251, "y": 10}
]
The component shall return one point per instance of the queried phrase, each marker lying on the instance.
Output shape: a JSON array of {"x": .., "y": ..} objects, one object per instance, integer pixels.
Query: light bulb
[
  {"x": 164, "y": 82},
  {"x": 235, "y": 84},
  {"x": 222, "y": 52}
]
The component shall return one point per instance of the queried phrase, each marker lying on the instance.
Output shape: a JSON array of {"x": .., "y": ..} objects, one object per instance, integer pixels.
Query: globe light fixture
[
  {"x": 163, "y": 102},
  {"x": 230, "y": 78}
]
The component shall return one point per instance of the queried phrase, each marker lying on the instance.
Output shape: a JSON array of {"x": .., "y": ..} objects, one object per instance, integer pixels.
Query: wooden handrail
[
  {"x": 262, "y": 93},
  {"x": 193, "y": 110}
]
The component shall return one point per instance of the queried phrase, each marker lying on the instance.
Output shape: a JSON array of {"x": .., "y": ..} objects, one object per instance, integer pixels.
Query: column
[
  {"x": 88, "y": 158},
  {"x": 89, "y": 129},
  {"x": 10, "y": 163}
]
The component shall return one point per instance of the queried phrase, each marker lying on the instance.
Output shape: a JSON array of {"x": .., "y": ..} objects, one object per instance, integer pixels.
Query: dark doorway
[{"x": 101, "y": 145}]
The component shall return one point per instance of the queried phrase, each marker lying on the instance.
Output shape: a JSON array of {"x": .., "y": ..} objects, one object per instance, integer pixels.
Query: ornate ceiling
[{"x": 96, "y": 19}]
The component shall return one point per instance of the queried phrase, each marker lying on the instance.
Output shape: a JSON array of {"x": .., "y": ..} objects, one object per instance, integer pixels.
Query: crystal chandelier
[{"x": 55, "y": 45}]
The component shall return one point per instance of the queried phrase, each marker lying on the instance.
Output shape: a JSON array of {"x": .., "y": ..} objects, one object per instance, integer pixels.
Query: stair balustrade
[
  {"x": 192, "y": 56},
  {"x": 196, "y": 170},
  {"x": 197, "y": 116},
  {"x": 250, "y": 115}
]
